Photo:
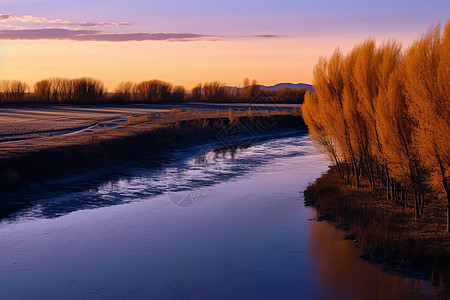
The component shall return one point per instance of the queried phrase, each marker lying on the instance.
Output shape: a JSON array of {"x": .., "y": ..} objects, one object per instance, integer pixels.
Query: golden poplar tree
[
  {"x": 395, "y": 127},
  {"x": 427, "y": 83},
  {"x": 312, "y": 116},
  {"x": 329, "y": 86},
  {"x": 358, "y": 142}
]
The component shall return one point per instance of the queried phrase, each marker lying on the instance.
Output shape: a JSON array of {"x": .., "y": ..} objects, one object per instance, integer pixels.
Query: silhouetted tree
[
  {"x": 43, "y": 89},
  {"x": 87, "y": 90},
  {"x": 178, "y": 93},
  {"x": 13, "y": 91},
  {"x": 124, "y": 90},
  {"x": 154, "y": 91},
  {"x": 197, "y": 92}
]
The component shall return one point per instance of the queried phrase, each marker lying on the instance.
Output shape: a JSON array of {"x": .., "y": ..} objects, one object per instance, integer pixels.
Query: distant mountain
[
  {"x": 286, "y": 84},
  {"x": 289, "y": 85}
]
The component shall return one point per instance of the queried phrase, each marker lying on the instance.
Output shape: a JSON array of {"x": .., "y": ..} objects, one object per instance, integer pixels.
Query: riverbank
[
  {"x": 28, "y": 162},
  {"x": 386, "y": 233}
]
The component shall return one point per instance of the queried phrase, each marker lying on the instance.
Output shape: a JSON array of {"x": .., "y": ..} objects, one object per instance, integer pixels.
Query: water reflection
[
  {"x": 182, "y": 176},
  {"x": 342, "y": 275}
]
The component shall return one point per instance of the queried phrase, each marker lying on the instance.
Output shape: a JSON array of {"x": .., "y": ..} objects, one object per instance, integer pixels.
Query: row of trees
[
  {"x": 384, "y": 113},
  {"x": 217, "y": 92},
  {"x": 83, "y": 90},
  {"x": 151, "y": 91},
  {"x": 89, "y": 90},
  {"x": 13, "y": 90},
  {"x": 286, "y": 95}
]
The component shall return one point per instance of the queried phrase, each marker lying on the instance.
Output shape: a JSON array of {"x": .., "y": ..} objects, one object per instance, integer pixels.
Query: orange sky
[
  {"x": 269, "y": 61},
  {"x": 185, "y": 63}
]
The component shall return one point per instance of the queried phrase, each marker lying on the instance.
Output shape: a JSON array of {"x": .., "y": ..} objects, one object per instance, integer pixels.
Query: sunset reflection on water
[{"x": 340, "y": 275}]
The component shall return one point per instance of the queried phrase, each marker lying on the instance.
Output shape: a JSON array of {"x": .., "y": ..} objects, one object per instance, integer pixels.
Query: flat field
[{"x": 29, "y": 128}]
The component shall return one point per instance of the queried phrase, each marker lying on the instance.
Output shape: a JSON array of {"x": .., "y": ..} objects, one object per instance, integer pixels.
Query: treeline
[
  {"x": 54, "y": 90},
  {"x": 218, "y": 92},
  {"x": 13, "y": 91},
  {"x": 286, "y": 95},
  {"x": 83, "y": 90},
  {"x": 384, "y": 114},
  {"x": 92, "y": 91},
  {"x": 151, "y": 91}
]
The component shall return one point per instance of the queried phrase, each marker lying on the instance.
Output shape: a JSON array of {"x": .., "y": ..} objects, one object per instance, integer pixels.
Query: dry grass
[
  {"x": 386, "y": 232},
  {"x": 137, "y": 119}
]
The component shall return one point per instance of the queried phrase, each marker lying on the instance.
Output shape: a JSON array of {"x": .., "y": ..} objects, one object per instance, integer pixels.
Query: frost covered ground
[{"x": 25, "y": 128}]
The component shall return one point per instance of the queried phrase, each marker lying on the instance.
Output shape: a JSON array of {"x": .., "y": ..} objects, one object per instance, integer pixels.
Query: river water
[{"x": 205, "y": 224}]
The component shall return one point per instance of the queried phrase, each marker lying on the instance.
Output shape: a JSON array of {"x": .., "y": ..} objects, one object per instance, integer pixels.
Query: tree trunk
[
  {"x": 394, "y": 186},
  {"x": 392, "y": 190},
  {"x": 422, "y": 200},
  {"x": 448, "y": 214},
  {"x": 357, "y": 173},
  {"x": 380, "y": 180},
  {"x": 416, "y": 204},
  {"x": 348, "y": 174},
  {"x": 403, "y": 192},
  {"x": 406, "y": 197},
  {"x": 338, "y": 165},
  {"x": 387, "y": 186},
  {"x": 447, "y": 191}
]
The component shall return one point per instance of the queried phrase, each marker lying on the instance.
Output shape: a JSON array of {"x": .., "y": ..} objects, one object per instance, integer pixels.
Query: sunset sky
[{"x": 187, "y": 42}]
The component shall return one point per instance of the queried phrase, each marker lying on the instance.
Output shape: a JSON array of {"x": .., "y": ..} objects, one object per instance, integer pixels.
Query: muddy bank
[{"x": 382, "y": 230}]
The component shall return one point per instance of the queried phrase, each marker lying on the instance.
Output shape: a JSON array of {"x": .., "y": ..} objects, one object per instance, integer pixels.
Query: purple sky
[{"x": 234, "y": 18}]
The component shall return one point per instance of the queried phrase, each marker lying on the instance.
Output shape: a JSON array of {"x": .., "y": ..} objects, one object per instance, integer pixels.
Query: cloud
[
  {"x": 92, "y": 24},
  {"x": 30, "y": 19},
  {"x": 267, "y": 36},
  {"x": 92, "y": 35},
  {"x": 4, "y": 18}
]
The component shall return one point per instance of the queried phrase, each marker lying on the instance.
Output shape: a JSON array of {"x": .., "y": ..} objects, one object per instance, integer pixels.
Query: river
[{"x": 205, "y": 224}]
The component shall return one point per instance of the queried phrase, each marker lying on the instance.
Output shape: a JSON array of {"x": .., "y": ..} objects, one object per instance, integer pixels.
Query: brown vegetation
[
  {"x": 384, "y": 115},
  {"x": 61, "y": 90},
  {"x": 385, "y": 232},
  {"x": 13, "y": 91}
]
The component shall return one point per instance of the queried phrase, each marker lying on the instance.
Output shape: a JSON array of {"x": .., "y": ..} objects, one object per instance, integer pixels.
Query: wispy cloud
[
  {"x": 5, "y": 18},
  {"x": 268, "y": 36},
  {"x": 92, "y": 35},
  {"x": 92, "y": 24}
]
